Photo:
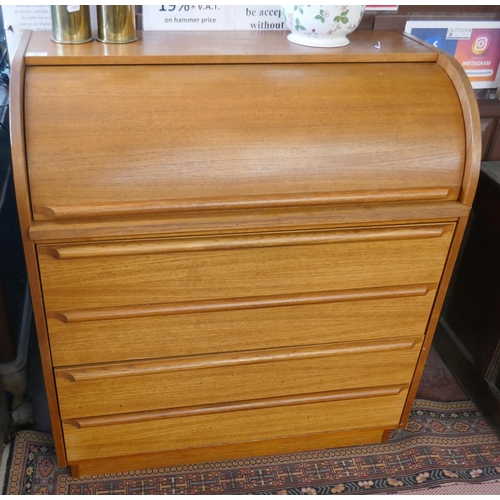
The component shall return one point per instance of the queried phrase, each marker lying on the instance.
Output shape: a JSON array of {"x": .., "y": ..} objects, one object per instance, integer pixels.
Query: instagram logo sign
[{"x": 481, "y": 45}]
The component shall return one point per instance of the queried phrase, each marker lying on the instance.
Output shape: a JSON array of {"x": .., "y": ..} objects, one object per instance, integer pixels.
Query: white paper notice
[
  {"x": 211, "y": 17},
  {"x": 258, "y": 17},
  {"x": 185, "y": 17},
  {"x": 17, "y": 18},
  {"x": 27, "y": 17}
]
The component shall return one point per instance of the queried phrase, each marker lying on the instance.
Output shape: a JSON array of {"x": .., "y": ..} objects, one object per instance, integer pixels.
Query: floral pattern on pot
[{"x": 321, "y": 25}]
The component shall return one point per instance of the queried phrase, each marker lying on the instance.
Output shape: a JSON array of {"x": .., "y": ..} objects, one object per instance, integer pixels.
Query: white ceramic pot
[{"x": 321, "y": 25}]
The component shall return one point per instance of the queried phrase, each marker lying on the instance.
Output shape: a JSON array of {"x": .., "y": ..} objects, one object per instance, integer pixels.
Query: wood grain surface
[
  {"x": 234, "y": 242},
  {"x": 232, "y": 377},
  {"x": 214, "y": 137},
  {"x": 232, "y": 427},
  {"x": 238, "y": 304},
  {"x": 248, "y": 272},
  {"x": 17, "y": 124},
  {"x": 241, "y": 202},
  {"x": 250, "y": 220},
  {"x": 234, "y": 330},
  {"x": 252, "y": 404},
  {"x": 215, "y": 47},
  {"x": 472, "y": 124},
  {"x": 435, "y": 313},
  {"x": 232, "y": 451},
  {"x": 471, "y": 175},
  {"x": 240, "y": 247}
]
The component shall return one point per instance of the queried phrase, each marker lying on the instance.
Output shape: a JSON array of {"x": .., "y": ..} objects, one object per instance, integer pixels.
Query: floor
[{"x": 437, "y": 383}]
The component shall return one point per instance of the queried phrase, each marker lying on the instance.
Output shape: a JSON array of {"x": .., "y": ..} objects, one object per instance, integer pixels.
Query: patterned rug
[{"x": 445, "y": 446}]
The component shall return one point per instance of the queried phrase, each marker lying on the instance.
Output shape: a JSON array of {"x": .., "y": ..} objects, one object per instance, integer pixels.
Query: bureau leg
[
  {"x": 75, "y": 471},
  {"x": 385, "y": 436}
]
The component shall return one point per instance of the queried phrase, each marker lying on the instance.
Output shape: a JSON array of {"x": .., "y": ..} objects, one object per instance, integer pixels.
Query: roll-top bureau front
[
  {"x": 236, "y": 249},
  {"x": 171, "y": 138}
]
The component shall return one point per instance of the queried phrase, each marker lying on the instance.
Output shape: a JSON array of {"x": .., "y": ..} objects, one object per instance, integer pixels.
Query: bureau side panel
[
  {"x": 472, "y": 129},
  {"x": 22, "y": 188}
]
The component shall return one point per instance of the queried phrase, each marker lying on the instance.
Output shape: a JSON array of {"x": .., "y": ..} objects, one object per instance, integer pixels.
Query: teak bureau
[{"x": 236, "y": 246}]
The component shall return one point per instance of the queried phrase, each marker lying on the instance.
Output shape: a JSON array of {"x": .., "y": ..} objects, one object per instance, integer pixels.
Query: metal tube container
[
  {"x": 116, "y": 23},
  {"x": 71, "y": 23}
]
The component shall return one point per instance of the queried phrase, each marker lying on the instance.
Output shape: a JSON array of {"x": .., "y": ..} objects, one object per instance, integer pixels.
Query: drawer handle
[
  {"x": 243, "y": 241},
  {"x": 56, "y": 212},
  {"x": 254, "y": 404},
  {"x": 217, "y": 305},
  {"x": 147, "y": 367}
]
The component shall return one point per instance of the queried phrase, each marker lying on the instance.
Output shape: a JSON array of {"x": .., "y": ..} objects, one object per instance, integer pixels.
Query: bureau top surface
[{"x": 208, "y": 47}]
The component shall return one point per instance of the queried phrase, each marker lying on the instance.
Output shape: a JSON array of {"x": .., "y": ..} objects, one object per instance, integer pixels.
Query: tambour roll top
[{"x": 149, "y": 138}]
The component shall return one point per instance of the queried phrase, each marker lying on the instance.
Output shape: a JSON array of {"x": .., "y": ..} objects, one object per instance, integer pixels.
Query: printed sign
[
  {"x": 212, "y": 17},
  {"x": 17, "y": 18},
  {"x": 258, "y": 17},
  {"x": 475, "y": 45},
  {"x": 184, "y": 17}
]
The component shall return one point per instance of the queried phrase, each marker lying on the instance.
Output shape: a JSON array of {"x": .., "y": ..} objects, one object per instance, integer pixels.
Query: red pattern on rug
[{"x": 443, "y": 444}]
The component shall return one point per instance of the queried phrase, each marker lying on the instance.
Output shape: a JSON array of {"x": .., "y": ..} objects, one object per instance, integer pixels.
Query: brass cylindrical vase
[
  {"x": 71, "y": 23},
  {"x": 116, "y": 23}
]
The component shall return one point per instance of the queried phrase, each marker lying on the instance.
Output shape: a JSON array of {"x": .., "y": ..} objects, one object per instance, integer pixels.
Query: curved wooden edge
[
  {"x": 17, "y": 81},
  {"x": 472, "y": 123},
  {"x": 61, "y": 316},
  {"x": 51, "y": 251},
  {"x": 182, "y": 363},
  {"x": 248, "y": 221},
  {"x": 47, "y": 212},
  {"x": 16, "y": 112},
  {"x": 472, "y": 120},
  {"x": 66, "y": 375},
  {"x": 61, "y": 212},
  {"x": 218, "y": 305},
  {"x": 254, "y": 404},
  {"x": 260, "y": 240},
  {"x": 472, "y": 126}
]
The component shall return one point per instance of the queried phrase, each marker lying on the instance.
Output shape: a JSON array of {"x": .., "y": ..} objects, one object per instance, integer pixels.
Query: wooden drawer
[
  {"x": 111, "y": 437},
  {"x": 400, "y": 311},
  {"x": 245, "y": 376},
  {"x": 257, "y": 265}
]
